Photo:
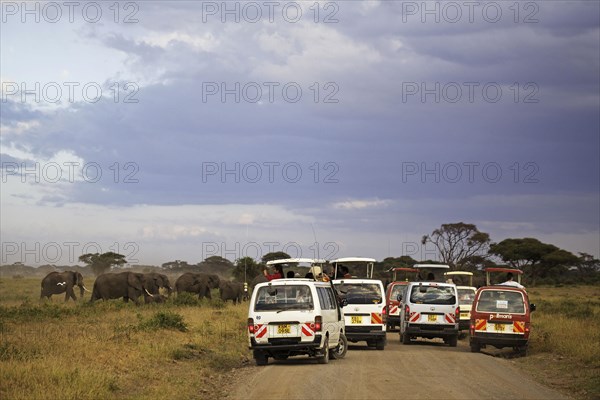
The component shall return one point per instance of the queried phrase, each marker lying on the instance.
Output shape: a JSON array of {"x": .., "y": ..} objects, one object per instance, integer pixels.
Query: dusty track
[{"x": 422, "y": 370}]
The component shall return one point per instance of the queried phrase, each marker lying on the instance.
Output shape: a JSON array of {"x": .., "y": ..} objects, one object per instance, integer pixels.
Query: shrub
[{"x": 164, "y": 320}]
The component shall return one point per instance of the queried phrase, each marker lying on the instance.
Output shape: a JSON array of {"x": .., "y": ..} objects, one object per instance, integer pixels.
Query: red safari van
[
  {"x": 393, "y": 290},
  {"x": 501, "y": 317}
]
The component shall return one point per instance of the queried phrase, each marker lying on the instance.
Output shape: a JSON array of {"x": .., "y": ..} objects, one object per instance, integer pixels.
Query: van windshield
[
  {"x": 423, "y": 294},
  {"x": 281, "y": 298},
  {"x": 396, "y": 290},
  {"x": 465, "y": 296},
  {"x": 360, "y": 293},
  {"x": 500, "y": 301}
]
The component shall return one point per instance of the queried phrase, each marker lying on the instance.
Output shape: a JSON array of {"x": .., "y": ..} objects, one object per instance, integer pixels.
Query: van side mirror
[
  {"x": 399, "y": 298},
  {"x": 532, "y": 307},
  {"x": 343, "y": 302}
]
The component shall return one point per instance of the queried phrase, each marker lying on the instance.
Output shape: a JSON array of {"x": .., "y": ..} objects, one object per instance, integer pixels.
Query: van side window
[{"x": 325, "y": 298}]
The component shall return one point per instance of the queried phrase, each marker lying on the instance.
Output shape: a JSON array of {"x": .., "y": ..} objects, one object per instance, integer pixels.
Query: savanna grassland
[
  {"x": 187, "y": 348},
  {"x": 565, "y": 339},
  {"x": 56, "y": 350}
]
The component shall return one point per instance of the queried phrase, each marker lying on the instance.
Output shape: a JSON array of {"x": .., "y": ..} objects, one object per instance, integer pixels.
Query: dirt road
[{"x": 422, "y": 370}]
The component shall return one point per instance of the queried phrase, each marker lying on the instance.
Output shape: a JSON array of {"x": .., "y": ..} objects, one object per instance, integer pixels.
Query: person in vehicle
[
  {"x": 290, "y": 274},
  {"x": 511, "y": 282},
  {"x": 430, "y": 276},
  {"x": 345, "y": 272},
  {"x": 303, "y": 295},
  {"x": 278, "y": 274}
]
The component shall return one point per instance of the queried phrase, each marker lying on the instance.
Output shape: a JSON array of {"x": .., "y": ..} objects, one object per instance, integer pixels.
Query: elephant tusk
[
  {"x": 149, "y": 294},
  {"x": 61, "y": 283},
  {"x": 86, "y": 289}
]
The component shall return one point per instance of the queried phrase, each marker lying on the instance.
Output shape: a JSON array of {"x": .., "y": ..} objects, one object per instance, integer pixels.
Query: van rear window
[
  {"x": 280, "y": 298},
  {"x": 465, "y": 296},
  {"x": 360, "y": 293},
  {"x": 500, "y": 301},
  {"x": 443, "y": 295}
]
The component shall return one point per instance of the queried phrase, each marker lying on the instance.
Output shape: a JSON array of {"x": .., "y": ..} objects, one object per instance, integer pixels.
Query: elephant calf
[
  {"x": 232, "y": 291},
  {"x": 62, "y": 282}
]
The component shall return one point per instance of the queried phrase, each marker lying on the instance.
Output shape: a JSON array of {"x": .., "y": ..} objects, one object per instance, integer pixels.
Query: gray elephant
[
  {"x": 128, "y": 285},
  {"x": 156, "y": 281},
  {"x": 62, "y": 282},
  {"x": 231, "y": 291},
  {"x": 200, "y": 283}
]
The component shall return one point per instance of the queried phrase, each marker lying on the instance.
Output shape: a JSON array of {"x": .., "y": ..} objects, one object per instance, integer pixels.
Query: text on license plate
[
  {"x": 356, "y": 319},
  {"x": 283, "y": 329},
  {"x": 500, "y": 327},
  {"x": 431, "y": 317}
]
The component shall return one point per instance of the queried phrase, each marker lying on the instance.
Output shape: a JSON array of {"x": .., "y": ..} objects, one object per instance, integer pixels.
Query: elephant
[
  {"x": 128, "y": 285},
  {"x": 62, "y": 282},
  {"x": 231, "y": 291},
  {"x": 155, "y": 281},
  {"x": 200, "y": 283}
]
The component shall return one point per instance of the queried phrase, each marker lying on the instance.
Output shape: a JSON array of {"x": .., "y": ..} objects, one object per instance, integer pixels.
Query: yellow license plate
[
  {"x": 500, "y": 327},
  {"x": 356, "y": 320},
  {"x": 283, "y": 329},
  {"x": 432, "y": 318},
  {"x": 464, "y": 315}
]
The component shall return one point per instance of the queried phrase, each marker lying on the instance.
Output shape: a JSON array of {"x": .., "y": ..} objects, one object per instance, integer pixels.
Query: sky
[{"x": 182, "y": 130}]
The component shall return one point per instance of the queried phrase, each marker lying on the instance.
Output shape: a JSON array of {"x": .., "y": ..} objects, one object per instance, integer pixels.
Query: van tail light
[
  {"x": 318, "y": 323},
  {"x": 406, "y": 313},
  {"x": 472, "y": 330},
  {"x": 384, "y": 315},
  {"x": 251, "y": 326},
  {"x": 457, "y": 314}
]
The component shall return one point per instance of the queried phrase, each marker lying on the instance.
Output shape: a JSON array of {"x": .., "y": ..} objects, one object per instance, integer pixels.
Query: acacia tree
[
  {"x": 533, "y": 257},
  {"x": 101, "y": 263},
  {"x": 458, "y": 242}
]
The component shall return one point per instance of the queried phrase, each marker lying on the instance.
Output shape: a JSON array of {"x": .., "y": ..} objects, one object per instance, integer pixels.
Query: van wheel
[
  {"x": 342, "y": 348},
  {"x": 453, "y": 340},
  {"x": 324, "y": 359},
  {"x": 380, "y": 344},
  {"x": 261, "y": 358},
  {"x": 475, "y": 347},
  {"x": 405, "y": 338}
]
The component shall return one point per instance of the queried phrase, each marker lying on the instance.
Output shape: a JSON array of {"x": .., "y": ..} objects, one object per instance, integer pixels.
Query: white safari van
[
  {"x": 365, "y": 308},
  {"x": 430, "y": 310},
  {"x": 466, "y": 294},
  {"x": 289, "y": 317}
]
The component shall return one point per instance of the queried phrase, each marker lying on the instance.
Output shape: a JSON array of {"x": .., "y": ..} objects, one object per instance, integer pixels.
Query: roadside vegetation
[{"x": 565, "y": 339}]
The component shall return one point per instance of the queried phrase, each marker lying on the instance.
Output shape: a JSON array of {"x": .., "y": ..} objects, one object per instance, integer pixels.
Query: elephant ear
[
  {"x": 73, "y": 276},
  {"x": 135, "y": 280}
]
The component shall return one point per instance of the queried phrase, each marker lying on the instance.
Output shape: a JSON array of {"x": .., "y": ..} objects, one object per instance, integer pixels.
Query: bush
[
  {"x": 186, "y": 299},
  {"x": 164, "y": 320}
]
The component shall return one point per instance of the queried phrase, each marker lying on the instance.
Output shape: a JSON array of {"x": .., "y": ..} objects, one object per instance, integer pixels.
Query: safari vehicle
[
  {"x": 393, "y": 290},
  {"x": 290, "y": 317},
  {"x": 364, "y": 312},
  {"x": 501, "y": 315},
  {"x": 466, "y": 295},
  {"x": 430, "y": 310}
]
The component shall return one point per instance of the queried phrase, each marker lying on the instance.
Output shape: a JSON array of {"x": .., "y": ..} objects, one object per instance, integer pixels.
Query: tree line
[{"x": 460, "y": 245}]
